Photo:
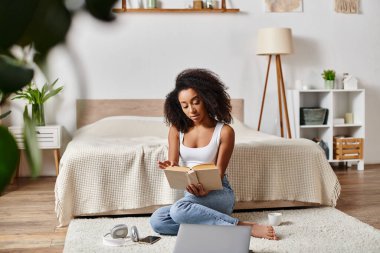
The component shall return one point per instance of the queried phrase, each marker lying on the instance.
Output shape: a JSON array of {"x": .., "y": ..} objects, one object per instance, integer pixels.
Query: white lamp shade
[{"x": 274, "y": 41}]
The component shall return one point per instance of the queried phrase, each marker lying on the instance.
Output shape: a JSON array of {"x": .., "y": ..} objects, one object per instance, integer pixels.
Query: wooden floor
[{"x": 28, "y": 223}]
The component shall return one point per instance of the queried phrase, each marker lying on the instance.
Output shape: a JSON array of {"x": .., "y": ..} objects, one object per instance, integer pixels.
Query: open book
[{"x": 206, "y": 174}]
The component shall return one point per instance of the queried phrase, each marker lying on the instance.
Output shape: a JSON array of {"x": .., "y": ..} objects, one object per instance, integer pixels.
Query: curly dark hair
[{"x": 211, "y": 91}]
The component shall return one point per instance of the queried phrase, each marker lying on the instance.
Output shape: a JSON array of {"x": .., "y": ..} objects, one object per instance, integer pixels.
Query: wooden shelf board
[
  {"x": 345, "y": 160},
  {"x": 314, "y": 126},
  {"x": 159, "y": 10},
  {"x": 348, "y": 125},
  {"x": 333, "y": 90},
  {"x": 312, "y": 91},
  {"x": 352, "y": 90}
]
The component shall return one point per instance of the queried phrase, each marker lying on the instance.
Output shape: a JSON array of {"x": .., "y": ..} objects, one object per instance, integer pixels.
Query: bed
[{"x": 110, "y": 165}]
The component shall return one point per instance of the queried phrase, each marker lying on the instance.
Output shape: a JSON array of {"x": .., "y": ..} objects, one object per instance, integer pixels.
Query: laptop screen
[{"x": 212, "y": 238}]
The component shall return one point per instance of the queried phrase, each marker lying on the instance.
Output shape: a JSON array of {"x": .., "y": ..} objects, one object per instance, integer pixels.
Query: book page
[
  {"x": 177, "y": 179},
  {"x": 209, "y": 177},
  {"x": 192, "y": 177},
  {"x": 206, "y": 174},
  {"x": 178, "y": 168},
  {"x": 204, "y": 166}
]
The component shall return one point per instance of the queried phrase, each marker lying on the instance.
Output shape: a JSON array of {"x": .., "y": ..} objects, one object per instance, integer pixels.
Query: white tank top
[{"x": 207, "y": 154}]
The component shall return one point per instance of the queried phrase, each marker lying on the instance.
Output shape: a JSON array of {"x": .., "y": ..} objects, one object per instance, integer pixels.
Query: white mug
[{"x": 275, "y": 219}]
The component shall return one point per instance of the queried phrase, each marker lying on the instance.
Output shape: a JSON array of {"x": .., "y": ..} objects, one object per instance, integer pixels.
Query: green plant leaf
[
  {"x": 32, "y": 151},
  {"x": 45, "y": 89},
  {"x": 35, "y": 96},
  {"x": 328, "y": 74},
  {"x": 3, "y": 97},
  {"x": 101, "y": 9},
  {"x": 9, "y": 157},
  {"x": 15, "y": 16},
  {"x": 51, "y": 94},
  {"x": 48, "y": 27},
  {"x": 13, "y": 76},
  {"x": 54, "y": 83},
  {"x": 2, "y": 116}
]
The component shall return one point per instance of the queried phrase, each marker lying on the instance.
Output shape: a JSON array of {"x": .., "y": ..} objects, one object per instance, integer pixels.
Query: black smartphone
[{"x": 150, "y": 239}]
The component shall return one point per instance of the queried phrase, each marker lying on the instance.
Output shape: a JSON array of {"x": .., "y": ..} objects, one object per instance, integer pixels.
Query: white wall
[{"x": 139, "y": 55}]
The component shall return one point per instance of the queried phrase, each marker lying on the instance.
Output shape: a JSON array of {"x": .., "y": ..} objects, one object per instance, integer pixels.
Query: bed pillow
[{"x": 126, "y": 126}]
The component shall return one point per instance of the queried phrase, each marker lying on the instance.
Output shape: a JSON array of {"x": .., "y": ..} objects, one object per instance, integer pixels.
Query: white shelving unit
[{"x": 338, "y": 103}]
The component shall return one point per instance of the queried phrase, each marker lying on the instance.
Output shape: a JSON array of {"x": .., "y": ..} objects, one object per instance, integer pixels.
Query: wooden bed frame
[{"x": 91, "y": 110}]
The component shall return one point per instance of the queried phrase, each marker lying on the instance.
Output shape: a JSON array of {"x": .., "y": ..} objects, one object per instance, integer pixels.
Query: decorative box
[
  {"x": 313, "y": 116},
  {"x": 350, "y": 83},
  {"x": 346, "y": 148},
  {"x": 338, "y": 121}
]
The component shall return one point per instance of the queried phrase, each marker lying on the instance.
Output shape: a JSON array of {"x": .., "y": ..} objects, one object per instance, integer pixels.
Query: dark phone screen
[{"x": 150, "y": 239}]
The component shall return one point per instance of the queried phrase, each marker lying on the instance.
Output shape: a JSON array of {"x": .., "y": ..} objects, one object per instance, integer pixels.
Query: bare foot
[{"x": 260, "y": 231}]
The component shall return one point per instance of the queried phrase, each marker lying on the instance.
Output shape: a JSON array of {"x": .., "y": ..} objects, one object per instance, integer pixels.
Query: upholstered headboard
[{"x": 91, "y": 110}]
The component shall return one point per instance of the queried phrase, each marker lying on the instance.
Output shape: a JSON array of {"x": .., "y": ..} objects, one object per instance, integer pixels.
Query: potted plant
[
  {"x": 37, "y": 98},
  {"x": 329, "y": 77}
]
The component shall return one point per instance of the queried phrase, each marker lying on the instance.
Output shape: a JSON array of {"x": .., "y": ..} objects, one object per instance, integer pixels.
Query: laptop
[{"x": 212, "y": 238}]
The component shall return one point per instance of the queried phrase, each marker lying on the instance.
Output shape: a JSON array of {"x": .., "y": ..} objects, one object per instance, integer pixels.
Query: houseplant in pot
[
  {"x": 329, "y": 77},
  {"x": 37, "y": 98}
]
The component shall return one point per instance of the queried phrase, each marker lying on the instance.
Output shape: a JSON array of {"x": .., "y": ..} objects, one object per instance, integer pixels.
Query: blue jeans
[{"x": 213, "y": 209}]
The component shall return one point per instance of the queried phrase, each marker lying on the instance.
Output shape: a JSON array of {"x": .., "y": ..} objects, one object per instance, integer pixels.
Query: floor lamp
[{"x": 276, "y": 41}]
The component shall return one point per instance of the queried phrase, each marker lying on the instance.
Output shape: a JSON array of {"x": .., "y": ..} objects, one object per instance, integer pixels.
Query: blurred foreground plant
[{"x": 43, "y": 23}]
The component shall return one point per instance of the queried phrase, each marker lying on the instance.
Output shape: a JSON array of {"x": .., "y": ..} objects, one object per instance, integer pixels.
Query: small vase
[
  {"x": 329, "y": 84},
  {"x": 38, "y": 114},
  {"x": 151, "y": 4}
]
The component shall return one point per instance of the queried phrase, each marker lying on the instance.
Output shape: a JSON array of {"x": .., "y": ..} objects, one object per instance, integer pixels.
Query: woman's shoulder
[
  {"x": 227, "y": 130},
  {"x": 173, "y": 131},
  {"x": 173, "y": 128}
]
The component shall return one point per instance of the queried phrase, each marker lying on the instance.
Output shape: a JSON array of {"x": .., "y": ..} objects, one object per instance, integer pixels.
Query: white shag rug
[{"x": 302, "y": 230}]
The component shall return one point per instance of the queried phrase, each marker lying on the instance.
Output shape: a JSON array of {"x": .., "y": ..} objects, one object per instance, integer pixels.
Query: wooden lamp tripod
[{"x": 276, "y": 41}]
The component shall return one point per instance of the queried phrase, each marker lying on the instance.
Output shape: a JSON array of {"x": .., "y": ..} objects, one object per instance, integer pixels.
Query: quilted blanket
[{"x": 112, "y": 165}]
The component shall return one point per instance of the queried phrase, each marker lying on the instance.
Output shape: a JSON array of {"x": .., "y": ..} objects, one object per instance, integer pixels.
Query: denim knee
[
  {"x": 157, "y": 222},
  {"x": 178, "y": 211},
  {"x": 162, "y": 223}
]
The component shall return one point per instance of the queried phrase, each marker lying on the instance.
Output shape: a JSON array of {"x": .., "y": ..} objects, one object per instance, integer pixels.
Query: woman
[{"x": 199, "y": 111}]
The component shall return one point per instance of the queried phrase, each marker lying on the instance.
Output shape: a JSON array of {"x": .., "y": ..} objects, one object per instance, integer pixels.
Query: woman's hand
[
  {"x": 164, "y": 164},
  {"x": 197, "y": 190}
]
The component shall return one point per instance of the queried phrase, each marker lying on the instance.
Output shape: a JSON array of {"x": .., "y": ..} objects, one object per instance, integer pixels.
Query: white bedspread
[{"x": 112, "y": 165}]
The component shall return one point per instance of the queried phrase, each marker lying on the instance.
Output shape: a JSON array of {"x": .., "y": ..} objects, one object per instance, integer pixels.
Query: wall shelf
[
  {"x": 158, "y": 10},
  {"x": 124, "y": 9}
]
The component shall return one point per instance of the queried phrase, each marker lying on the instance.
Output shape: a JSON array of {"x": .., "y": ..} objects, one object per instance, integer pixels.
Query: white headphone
[{"x": 118, "y": 236}]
